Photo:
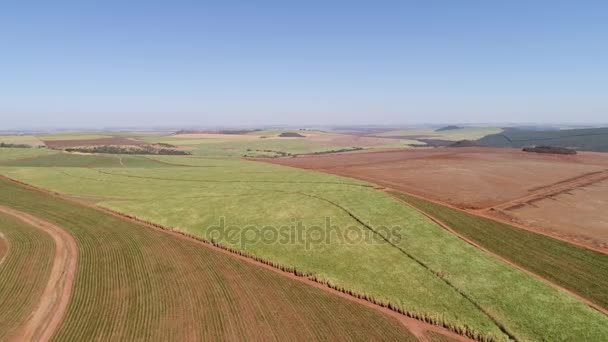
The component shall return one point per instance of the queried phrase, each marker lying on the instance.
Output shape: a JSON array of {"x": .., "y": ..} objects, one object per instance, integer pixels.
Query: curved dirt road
[
  {"x": 3, "y": 248},
  {"x": 42, "y": 323}
]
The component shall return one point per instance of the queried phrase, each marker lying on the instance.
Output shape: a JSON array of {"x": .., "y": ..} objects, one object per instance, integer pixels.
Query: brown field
[
  {"x": 586, "y": 221},
  {"x": 137, "y": 282},
  {"x": 93, "y": 142},
  {"x": 535, "y": 190}
]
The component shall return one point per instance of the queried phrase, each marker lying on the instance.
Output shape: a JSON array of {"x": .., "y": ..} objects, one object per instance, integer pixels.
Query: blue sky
[{"x": 117, "y": 63}]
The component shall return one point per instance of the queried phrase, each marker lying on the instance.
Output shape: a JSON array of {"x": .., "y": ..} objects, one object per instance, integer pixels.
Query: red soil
[{"x": 93, "y": 142}]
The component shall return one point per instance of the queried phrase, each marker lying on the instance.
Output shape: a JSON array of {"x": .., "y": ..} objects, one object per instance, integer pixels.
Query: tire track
[{"x": 42, "y": 323}]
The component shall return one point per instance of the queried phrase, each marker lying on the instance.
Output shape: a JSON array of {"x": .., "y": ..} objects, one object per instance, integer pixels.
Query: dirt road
[{"x": 42, "y": 323}]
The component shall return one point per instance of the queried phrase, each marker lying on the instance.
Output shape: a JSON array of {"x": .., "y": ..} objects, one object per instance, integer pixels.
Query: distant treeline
[
  {"x": 549, "y": 149},
  {"x": 7, "y": 145},
  {"x": 145, "y": 149},
  {"x": 333, "y": 151},
  {"x": 585, "y": 139}
]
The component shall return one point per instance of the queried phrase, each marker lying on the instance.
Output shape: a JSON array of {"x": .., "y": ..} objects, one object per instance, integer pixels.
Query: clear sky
[{"x": 117, "y": 63}]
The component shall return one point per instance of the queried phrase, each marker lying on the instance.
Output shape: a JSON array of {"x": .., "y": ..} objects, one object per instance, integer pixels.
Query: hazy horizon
[{"x": 234, "y": 64}]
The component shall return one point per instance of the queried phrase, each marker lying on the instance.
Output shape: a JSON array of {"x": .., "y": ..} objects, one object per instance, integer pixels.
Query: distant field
[
  {"x": 468, "y": 133},
  {"x": 264, "y": 143},
  {"x": 577, "y": 269},
  {"x": 429, "y": 273},
  {"x": 21, "y": 139},
  {"x": 136, "y": 283},
  {"x": 73, "y": 136},
  {"x": 25, "y": 266},
  {"x": 465, "y": 177}
]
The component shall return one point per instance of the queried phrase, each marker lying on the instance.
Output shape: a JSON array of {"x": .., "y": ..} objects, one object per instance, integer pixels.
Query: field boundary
[
  {"x": 415, "y": 323},
  {"x": 421, "y": 263},
  {"x": 482, "y": 213},
  {"x": 506, "y": 261},
  {"x": 43, "y": 321},
  {"x": 541, "y": 193}
]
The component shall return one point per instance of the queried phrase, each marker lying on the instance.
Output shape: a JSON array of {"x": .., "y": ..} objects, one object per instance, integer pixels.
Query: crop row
[
  {"x": 137, "y": 283},
  {"x": 577, "y": 269},
  {"x": 24, "y": 271}
]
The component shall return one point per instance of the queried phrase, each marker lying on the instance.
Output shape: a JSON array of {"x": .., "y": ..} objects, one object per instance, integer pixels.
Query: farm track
[
  {"x": 550, "y": 190},
  {"x": 4, "y": 248},
  {"x": 484, "y": 213},
  {"x": 506, "y": 261},
  {"x": 419, "y": 328},
  {"x": 42, "y": 323}
]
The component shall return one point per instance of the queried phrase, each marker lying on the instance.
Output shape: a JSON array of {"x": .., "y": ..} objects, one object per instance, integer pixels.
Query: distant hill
[
  {"x": 448, "y": 128},
  {"x": 291, "y": 135},
  {"x": 586, "y": 139}
]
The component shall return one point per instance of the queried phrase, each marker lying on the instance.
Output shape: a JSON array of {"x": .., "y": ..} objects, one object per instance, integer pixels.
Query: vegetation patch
[
  {"x": 577, "y": 269},
  {"x": 156, "y": 149},
  {"x": 291, "y": 135},
  {"x": 549, "y": 150},
  {"x": 8, "y": 145}
]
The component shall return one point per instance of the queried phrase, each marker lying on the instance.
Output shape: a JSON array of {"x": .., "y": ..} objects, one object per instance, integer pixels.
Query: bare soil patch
[
  {"x": 577, "y": 214},
  {"x": 119, "y": 141},
  {"x": 465, "y": 177},
  {"x": 46, "y": 317}
]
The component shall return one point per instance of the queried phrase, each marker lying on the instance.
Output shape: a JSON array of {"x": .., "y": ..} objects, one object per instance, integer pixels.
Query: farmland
[
  {"x": 459, "y": 287},
  {"x": 134, "y": 282},
  {"x": 25, "y": 266},
  {"x": 504, "y": 183},
  {"x": 582, "y": 271},
  {"x": 464, "y": 133}
]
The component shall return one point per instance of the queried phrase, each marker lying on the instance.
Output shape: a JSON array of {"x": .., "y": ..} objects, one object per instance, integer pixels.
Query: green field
[
  {"x": 254, "y": 145},
  {"x": 24, "y": 270},
  {"x": 428, "y": 273},
  {"x": 20, "y": 139},
  {"x": 137, "y": 283},
  {"x": 577, "y": 269},
  {"x": 467, "y": 133}
]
